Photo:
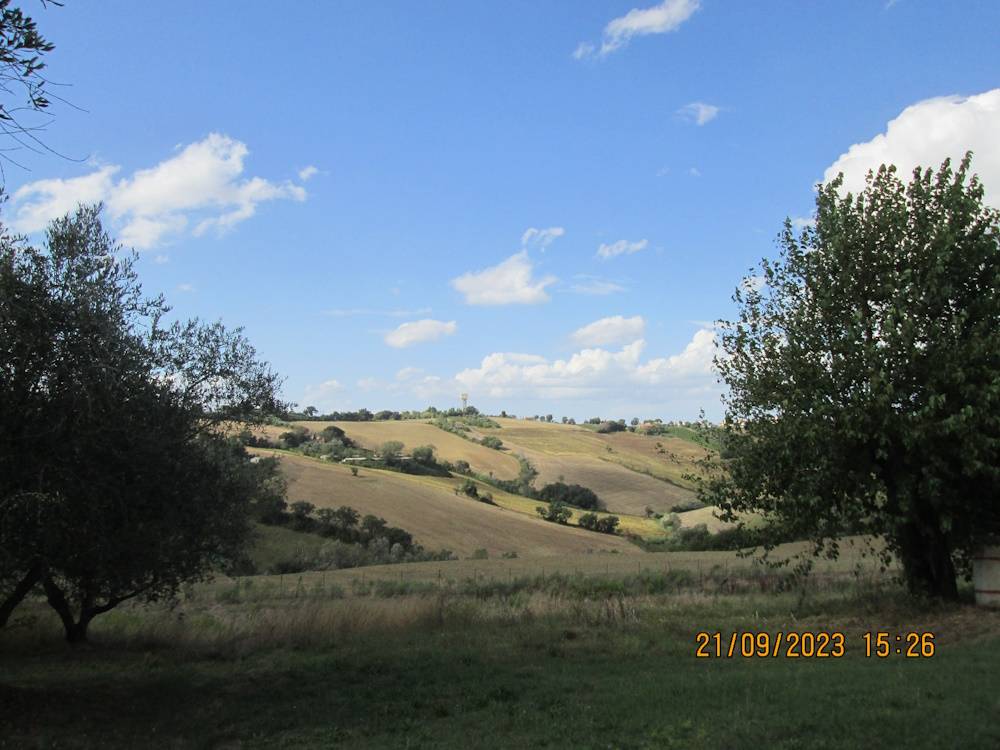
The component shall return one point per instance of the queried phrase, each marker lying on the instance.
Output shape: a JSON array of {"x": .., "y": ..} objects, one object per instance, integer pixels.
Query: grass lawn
[{"x": 525, "y": 670}]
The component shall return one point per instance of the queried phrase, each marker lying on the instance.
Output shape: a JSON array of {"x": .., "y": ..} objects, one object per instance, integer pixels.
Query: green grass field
[{"x": 488, "y": 668}]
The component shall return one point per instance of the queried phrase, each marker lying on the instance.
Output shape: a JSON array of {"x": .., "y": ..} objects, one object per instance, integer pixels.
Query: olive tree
[
  {"x": 864, "y": 375},
  {"x": 114, "y": 481}
]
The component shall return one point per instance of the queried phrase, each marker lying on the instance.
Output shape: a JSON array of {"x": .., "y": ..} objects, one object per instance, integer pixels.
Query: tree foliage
[
  {"x": 571, "y": 494},
  {"x": 114, "y": 482},
  {"x": 864, "y": 375},
  {"x": 21, "y": 79}
]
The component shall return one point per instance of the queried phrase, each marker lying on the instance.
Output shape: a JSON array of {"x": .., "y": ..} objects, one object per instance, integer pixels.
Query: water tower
[{"x": 465, "y": 401}]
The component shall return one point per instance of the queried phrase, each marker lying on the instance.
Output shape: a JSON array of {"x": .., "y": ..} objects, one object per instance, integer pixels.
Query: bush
[
  {"x": 606, "y": 427},
  {"x": 492, "y": 442},
  {"x": 462, "y": 467},
  {"x": 469, "y": 489},
  {"x": 607, "y": 525},
  {"x": 295, "y": 437},
  {"x": 686, "y": 506},
  {"x": 424, "y": 454},
  {"x": 571, "y": 494},
  {"x": 556, "y": 512},
  {"x": 333, "y": 433},
  {"x": 480, "y": 554}
]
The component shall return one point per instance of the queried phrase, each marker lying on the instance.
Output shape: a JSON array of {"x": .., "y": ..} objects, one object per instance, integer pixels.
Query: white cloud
[
  {"x": 508, "y": 283},
  {"x": 161, "y": 259},
  {"x": 621, "y": 247},
  {"x": 185, "y": 288},
  {"x": 613, "y": 330},
  {"x": 694, "y": 172},
  {"x": 925, "y": 134},
  {"x": 754, "y": 283},
  {"x": 306, "y": 172},
  {"x": 541, "y": 238},
  {"x": 699, "y": 113},
  {"x": 56, "y": 197},
  {"x": 801, "y": 222},
  {"x": 591, "y": 372},
  {"x": 419, "y": 331},
  {"x": 659, "y": 19},
  {"x": 595, "y": 286},
  {"x": 201, "y": 185}
]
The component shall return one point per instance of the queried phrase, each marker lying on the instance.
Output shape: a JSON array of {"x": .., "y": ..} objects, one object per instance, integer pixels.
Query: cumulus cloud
[
  {"x": 306, "y": 172},
  {"x": 508, "y": 283},
  {"x": 541, "y": 238},
  {"x": 594, "y": 371},
  {"x": 613, "y": 330},
  {"x": 202, "y": 185},
  {"x": 419, "y": 331},
  {"x": 622, "y": 247},
  {"x": 699, "y": 113},
  {"x": 926, "y": 133},
  {"x": 659, "y": 19}
]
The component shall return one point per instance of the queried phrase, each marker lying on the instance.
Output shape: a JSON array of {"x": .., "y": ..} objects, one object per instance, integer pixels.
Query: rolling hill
[
  {"x": 629, "y": 471},
  {"x": 438, "y": 517}
]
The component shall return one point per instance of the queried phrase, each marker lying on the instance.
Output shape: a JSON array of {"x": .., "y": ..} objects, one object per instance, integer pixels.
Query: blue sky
[{"x": 357, "y": 183}]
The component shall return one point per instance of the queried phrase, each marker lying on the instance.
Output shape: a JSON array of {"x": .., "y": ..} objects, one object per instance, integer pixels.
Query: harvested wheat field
[
  {"x": 429, "y": 508},
  {"x": 628, "y": 478},
  {"x": 413, "y": 433}
]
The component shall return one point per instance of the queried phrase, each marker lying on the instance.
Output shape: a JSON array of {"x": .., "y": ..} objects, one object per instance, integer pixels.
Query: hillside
[
  {"x": 412, "y": 433},
  {"x": 628, "y": 471},
  {"x": 430, "y": 509}
]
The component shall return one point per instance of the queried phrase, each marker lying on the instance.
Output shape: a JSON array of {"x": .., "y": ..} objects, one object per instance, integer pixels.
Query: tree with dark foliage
[
  {"x": 21, "y": 80},
  {"x": 864, "y": 376},
  {"x": 114, "y": 481}
]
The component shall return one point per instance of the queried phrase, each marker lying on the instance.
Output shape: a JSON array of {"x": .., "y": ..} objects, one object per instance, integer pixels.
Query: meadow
[{"x": 557, "y": 660}]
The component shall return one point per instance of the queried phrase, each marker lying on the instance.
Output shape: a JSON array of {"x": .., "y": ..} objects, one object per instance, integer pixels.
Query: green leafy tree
[
  {"x": 864, "y": 376},
  {"x": 424, "y": 454},
  {"x": 114, "y": 481},
  {"x": 607, "y": 525},
  {"x": 556, "y": 512},
  {"x": 391, "y": 451}
]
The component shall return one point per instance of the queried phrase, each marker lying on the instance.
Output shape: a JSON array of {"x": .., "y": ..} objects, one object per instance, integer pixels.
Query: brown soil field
[
  {"x": 413, "y": 433},
  {"x": 628, "y": 478},
  {"x": 429, "y": 509}
]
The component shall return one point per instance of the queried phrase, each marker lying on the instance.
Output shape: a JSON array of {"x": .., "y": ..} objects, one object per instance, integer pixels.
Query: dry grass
[
  {"x": 429, "y": 508},
  {"x": 412, "y": 433},
  {"x": 628, "y": 478}
]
